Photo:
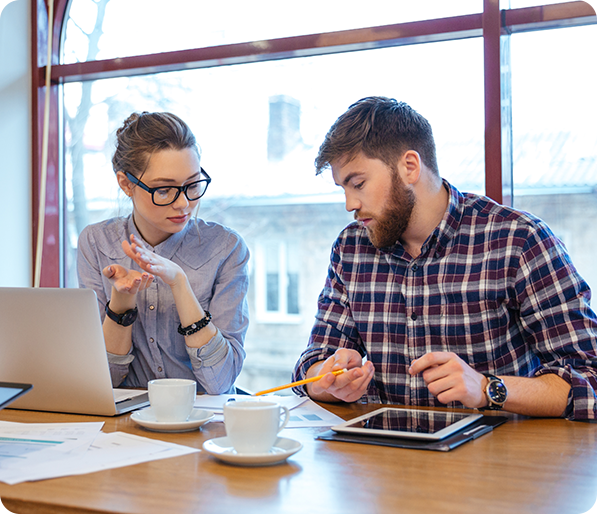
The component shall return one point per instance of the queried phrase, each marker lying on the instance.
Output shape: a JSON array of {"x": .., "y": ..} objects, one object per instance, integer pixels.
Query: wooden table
[{"x": 527, "y": 465}]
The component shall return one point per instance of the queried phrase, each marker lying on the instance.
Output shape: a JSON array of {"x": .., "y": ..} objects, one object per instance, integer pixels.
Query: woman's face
[{"x": 166, "y": 168}]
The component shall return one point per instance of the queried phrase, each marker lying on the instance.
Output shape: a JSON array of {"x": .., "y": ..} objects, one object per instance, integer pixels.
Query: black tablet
[
  {"x": 10, "y": 391},
  {"x": 430, "y": 425}
]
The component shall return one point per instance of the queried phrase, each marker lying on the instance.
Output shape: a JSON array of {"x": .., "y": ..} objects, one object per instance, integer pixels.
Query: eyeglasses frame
[{"x": 181, "y": 189}]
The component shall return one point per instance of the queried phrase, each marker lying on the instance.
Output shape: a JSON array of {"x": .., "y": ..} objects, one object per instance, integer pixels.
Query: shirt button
[
  {"x": 151, "y": 307},
  {"x": 151, "y": 339},
  {"x": 160, "y": 369},
  {"x": 413, "y": 316},
  {"x": 415, "y": 267}
]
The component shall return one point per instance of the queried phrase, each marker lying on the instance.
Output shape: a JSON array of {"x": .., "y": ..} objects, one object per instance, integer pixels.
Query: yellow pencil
[{"x": 300, "y": 382}]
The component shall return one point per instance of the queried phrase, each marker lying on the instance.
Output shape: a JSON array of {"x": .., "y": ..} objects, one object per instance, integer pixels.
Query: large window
[
  {"x": 259, "y": 126},
  {"x": 260, "y": 111},
  {"x": 555, "y": 137}
]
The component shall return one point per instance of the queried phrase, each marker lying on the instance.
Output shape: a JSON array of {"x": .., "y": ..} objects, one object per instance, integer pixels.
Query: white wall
[{"x": 15, "y": 148}]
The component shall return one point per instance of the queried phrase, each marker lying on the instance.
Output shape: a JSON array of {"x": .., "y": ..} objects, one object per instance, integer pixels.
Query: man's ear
[
  {"x": 411, "y": 166},
  {"x": 125, "y": 184}
]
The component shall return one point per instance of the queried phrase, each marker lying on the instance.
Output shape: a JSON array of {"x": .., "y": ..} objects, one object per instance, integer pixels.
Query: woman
[{"x": 171, "y": 287}]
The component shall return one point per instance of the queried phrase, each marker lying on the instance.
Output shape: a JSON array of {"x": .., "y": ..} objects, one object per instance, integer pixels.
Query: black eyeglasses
[{"x": 167, "y": 195}]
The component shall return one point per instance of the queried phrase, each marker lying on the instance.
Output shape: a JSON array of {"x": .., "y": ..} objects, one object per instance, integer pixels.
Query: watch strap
[{"x": 125, "y": 319}]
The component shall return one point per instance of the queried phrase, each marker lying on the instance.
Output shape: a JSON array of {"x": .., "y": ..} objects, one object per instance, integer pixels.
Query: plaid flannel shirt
[{"x": 492, "y": 284}]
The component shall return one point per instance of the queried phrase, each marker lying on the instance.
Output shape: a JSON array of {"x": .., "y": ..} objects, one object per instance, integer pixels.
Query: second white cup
[
  {"x": 253, "y": 426},
  {"x": 172, "y": 399}
]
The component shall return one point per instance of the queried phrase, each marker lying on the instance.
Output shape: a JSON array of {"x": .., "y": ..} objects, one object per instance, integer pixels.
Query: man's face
[{"x": 381, "y": 202}]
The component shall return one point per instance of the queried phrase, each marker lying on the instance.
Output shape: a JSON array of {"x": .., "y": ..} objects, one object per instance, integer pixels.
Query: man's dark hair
[{"x": 380, "y": 128}]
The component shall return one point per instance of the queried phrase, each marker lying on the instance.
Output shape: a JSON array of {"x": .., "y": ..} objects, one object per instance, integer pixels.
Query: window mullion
[{"x": 493, "y": 121}]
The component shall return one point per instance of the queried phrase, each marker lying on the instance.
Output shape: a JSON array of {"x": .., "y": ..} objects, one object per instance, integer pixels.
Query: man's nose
[{"x": 352, "y": 203}]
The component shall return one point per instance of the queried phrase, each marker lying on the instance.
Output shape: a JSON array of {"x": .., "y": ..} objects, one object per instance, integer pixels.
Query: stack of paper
[{"x": 35, "y": 451}]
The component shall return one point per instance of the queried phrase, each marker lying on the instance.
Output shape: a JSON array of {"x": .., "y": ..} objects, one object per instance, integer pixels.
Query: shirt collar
[
  {"x": 445, "y": 231},
  {"x": 166, "y": 248}
]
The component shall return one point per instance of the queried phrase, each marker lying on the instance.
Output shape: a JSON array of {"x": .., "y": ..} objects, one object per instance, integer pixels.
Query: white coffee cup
[
  {"x": 172, "y": 399},
  {"x": 253, "y": 425}
]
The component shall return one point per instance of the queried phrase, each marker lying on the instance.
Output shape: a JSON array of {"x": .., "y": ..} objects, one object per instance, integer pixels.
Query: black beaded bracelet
[{"x": 195, "y": 327}]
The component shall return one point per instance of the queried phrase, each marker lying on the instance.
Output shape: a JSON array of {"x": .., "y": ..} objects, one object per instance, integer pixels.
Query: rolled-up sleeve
[
  {"x": 561, "y": 327},
  {"x": 210, "y": 364}
]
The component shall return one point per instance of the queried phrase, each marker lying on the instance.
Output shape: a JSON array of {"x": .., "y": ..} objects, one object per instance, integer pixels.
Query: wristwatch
[
  {"x": 496, "y": 392},
  {"x": 125, "y": 319}
]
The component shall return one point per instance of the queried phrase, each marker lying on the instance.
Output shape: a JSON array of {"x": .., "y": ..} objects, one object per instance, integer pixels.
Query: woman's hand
[
  {"x": 152, "y": 263},
  {"x": 127, "y": 281}
]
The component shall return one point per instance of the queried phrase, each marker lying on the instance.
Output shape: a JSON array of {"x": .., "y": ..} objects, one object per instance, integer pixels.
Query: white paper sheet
[
  {"x": 304, "y": 411},
  {"x": 26, "y": 446},
  {"x": 108, "y": 451},
  {"x": 310, "y": 414},
  {"x": 29, "y": 442},
  {"x": 216, "y": 403},
  {"x": 34, "y": 451}
]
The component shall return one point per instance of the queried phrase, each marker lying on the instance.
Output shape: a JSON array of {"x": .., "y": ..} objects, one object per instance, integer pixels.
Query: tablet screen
[
  {"x": 424, "y": 424},
  {"x": 10, "y": 391}
]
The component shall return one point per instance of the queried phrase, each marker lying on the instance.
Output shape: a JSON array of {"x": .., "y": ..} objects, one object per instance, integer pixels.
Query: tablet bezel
[
  {"x": 23, "y": 388},
  {"x": 436, "y": 436}
]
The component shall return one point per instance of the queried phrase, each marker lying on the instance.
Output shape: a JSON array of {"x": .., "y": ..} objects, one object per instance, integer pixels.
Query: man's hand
[
  {"x": 450, "y": 379},
  {"x": 347, "y": 387}
]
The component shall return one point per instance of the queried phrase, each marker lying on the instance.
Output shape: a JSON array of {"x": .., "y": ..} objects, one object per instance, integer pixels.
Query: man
[{"x": 435, "y": 297}]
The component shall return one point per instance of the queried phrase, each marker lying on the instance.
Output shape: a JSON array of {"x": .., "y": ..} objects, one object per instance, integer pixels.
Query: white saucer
[
  {"x": 221, "y": 448},
  {"x": 146, "y": 419}
]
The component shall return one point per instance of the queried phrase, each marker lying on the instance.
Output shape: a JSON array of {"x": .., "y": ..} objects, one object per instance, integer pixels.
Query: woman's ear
[{"x": 124, "y": 183}]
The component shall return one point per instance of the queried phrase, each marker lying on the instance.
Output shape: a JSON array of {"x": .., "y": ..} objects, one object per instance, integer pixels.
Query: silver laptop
[{"x": 52, "y": 338}]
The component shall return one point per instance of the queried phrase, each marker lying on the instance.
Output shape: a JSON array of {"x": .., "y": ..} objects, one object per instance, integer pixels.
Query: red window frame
[{"x": 492, "y": 24}]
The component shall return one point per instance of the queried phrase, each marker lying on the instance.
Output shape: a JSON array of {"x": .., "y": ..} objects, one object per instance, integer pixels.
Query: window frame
[{"x": 493, "y": 25}]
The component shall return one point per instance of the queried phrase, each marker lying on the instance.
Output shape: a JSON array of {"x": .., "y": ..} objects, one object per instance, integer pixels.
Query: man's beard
[{"x": 395, "y": 216}]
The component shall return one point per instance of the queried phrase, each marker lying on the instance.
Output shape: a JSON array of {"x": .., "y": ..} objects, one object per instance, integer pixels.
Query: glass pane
[
  {"x": 181, "y": 24},
  {"x": 292, "y": 293},
  {"x": 555, "y": 137},
  {"x": 260, "y": 126},
  {"x": 273, "y": 292},
  {"x": 272, "y": 268},
  {"x": 293, "y": 254}
]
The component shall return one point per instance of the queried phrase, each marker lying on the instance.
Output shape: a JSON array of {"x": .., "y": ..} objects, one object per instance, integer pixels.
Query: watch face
[
  {"x": 128, "y": 318},
  {"x": 497, "y": 392}
]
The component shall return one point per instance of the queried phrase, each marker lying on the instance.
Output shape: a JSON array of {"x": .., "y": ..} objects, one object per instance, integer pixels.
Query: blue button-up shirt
[{"x": 214, "y": 259}]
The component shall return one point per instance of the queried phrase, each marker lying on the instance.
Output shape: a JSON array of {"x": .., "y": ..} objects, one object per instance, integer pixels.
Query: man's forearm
[{"x": 544, "y": 396}]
